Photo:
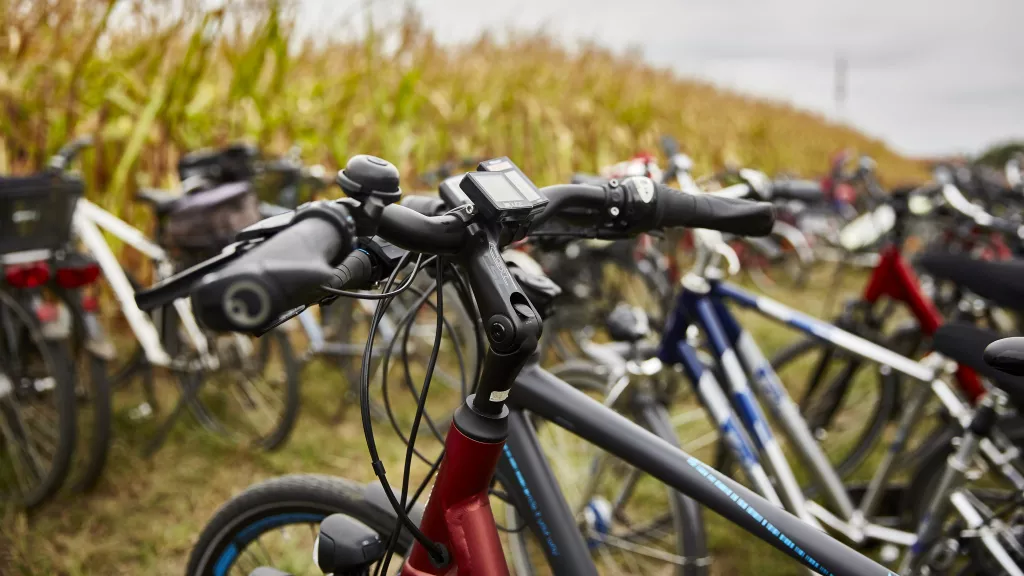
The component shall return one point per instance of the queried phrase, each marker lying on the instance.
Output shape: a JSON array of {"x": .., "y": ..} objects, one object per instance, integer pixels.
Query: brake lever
[
  {"x": 282, "y": 319},
  {"x": 178, "y": 286}
]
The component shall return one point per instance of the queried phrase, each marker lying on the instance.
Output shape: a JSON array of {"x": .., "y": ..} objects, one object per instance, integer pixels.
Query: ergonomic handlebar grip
[
  {"x": 279, "y": 274},
  {"x": 740, "y": 217},
  {"x": 808, "y": 191},
  {"x": 355, "y": 271}
]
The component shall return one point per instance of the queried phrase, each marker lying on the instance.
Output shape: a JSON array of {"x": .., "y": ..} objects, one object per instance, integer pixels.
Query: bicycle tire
[
  {"x": 54, "y": 357},
  {"x": 280, "y": 502},
  {"x": 97, "y": 393},
  {"x": 276, "y": 436},
  {"x": 684, "y": 514}
]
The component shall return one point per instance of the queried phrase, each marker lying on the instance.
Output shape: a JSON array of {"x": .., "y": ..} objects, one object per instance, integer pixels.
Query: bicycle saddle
[
  {"x": 1002, "y": 282},
  {"x": 162, "y": 201},
  {"x": 1006, "y": 355},
  {"x": 969, "y": 346},
  {"x": 627, "y": 323}
]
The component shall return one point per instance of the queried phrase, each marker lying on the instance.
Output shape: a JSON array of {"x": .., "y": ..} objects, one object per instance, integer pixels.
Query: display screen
[
  {"x": 524, "y": 187},
  {"x": 498, "y": 187}
]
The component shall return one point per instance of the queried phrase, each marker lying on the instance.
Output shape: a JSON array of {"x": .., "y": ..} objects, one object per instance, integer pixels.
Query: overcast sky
[{"x": 928, "y": 76}]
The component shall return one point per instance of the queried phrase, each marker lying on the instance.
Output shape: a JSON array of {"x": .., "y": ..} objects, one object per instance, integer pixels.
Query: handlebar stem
[{"x": 511, "y": 323}]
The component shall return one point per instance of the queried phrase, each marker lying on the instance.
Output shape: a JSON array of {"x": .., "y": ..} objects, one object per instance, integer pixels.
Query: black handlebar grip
[
  {"x": 277, "y": 275},
  {"x": 740, "y": 217},
  {"x": 808, "y": 191},
  {"x": 355, "y": 271}
]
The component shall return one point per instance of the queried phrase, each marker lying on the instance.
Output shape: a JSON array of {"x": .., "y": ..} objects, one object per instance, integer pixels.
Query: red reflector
[
  {"x": 47, "y": 312},
  {"x": 90, "y": 304},
  {"x": 76, "y": 277},
  {"x": 30, "y": 275},
  {"x": 845, "y": 193}
]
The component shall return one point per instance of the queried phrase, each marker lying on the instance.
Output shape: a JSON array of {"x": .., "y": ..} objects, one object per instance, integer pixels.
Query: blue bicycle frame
[{"x": 702, "y": 304}]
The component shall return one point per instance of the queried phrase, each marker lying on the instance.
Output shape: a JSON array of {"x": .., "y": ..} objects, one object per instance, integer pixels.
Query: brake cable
[
  {"x": 420, "y": 407},
  {"x": 436, "y": 551}
]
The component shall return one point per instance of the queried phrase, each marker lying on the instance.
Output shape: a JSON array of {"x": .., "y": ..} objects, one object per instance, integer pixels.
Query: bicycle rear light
[
  {"x": 27, "y": 275},
  {"x": 78, "y": 274}
]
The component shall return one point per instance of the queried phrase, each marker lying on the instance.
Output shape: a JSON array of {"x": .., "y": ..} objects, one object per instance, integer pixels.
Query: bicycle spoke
[{"x": 15, "y": 456}]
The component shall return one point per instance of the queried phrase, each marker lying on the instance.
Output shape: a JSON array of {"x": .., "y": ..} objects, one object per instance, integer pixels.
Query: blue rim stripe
[{"x": 250, "y": 533}]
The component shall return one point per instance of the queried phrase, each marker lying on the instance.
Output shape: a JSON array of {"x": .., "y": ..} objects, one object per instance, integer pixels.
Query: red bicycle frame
[
  {"x": 893, "y": 277},
  {"x": 458, "y": 513}
]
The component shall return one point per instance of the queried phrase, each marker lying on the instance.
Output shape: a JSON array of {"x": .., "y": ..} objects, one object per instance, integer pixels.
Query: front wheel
[
  {"x": 254, "y": 394},
  {"x": 275, "y": 523}
]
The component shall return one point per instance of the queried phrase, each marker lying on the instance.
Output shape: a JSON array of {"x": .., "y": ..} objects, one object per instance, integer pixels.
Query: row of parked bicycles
[{"x": 589, "y": 328}]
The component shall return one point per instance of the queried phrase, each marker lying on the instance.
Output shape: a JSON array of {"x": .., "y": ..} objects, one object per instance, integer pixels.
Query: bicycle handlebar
[
  {"x": 286, "y": 271},
  {"x": 808, "y": 191},
  {"x": 67, "y": 154}
]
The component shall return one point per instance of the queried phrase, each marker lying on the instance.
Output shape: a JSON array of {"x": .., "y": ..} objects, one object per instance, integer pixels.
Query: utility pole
[{"x": 841, "y": 71}]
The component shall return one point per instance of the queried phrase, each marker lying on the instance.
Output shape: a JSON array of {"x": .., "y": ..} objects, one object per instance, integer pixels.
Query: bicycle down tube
[
  {"x": 539, "y": 392},
  {"x": 700, "y": 309}
]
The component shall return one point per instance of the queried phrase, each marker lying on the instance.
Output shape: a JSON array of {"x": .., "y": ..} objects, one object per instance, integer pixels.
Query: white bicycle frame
[{"x": 87, "y": 223}]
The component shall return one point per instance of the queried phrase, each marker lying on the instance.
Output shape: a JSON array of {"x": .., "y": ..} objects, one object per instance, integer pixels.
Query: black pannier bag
[
  {"x": 204, "y": 221},
  {"x": 36, "y": 211},
  {"x": 234, "y": 163}
]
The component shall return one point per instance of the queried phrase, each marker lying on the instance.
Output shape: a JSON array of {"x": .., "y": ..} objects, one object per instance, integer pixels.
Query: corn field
[{"x": 152, "y": 79}]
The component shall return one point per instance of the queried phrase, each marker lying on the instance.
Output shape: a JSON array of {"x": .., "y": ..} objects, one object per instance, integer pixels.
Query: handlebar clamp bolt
[
  {"x": 500, "y": 330},
  {"x": 497, "y": 331},
  {"x": 614, "y": 211}
]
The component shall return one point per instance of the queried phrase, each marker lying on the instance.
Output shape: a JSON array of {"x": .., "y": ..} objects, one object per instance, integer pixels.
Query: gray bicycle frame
[
  {"x": 851, "y": 521},
  {"x": 533, "y": 488}
]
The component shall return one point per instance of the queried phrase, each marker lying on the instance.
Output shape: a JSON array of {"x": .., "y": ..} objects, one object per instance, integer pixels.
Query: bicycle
[
  {"x": 37, "y": 389},
  {"x": 741, "y": 362},
  {"x": 171, "y": 339},
  {"x": 702, "y": 303},
  {"x": 457, "y": 523}
]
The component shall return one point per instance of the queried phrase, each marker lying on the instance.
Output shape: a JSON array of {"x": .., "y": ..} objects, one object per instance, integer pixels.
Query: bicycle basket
[{"x": 36, "y": 211}]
